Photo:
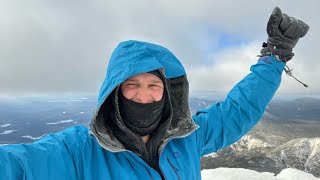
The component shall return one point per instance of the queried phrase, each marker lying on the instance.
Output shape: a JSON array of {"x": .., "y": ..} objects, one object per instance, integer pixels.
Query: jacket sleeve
[
  {"x": 226, "y": 122},
  {"x": 52, "y": 157}
]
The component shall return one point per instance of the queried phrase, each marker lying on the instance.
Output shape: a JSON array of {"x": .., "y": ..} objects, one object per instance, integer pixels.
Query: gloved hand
[{"x": 284, "y": 32}]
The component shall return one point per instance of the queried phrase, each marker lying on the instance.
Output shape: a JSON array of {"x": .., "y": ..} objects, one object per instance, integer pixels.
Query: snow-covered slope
[
  {"x": 246, "y": 174},
  {"x": 302, "y": 153},
  {"x": 255, "y": 154}
]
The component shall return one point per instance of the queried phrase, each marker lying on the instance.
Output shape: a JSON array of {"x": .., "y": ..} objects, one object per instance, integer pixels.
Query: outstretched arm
[{"x": 56, "y": 156}]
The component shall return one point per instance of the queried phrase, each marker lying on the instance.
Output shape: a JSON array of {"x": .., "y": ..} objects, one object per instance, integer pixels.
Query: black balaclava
[
  {"x": 132, "y": 140},
  {"x": 142, "y": 119}
]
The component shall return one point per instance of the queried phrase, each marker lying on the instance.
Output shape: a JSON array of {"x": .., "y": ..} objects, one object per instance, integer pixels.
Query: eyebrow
[
  {"x": 152, "y": 81},
  {"x": 130, "y": 80},
  {"x": 156, "y": 81}
]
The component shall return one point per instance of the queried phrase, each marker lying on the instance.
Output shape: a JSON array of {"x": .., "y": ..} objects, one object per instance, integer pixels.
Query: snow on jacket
[{"x": 94, "y": 153}]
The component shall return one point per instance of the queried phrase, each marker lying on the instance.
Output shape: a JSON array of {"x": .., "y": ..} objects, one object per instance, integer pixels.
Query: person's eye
[
  {"x": 131, "y": 85},
  {"x": 155, "y": 86}
]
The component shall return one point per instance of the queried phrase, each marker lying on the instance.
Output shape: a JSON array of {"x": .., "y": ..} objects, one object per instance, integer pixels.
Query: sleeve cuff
[{"x": 272, "y": 60}]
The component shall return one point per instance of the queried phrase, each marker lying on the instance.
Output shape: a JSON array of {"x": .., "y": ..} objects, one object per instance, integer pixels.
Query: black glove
[{"x": 284, "y": 32}]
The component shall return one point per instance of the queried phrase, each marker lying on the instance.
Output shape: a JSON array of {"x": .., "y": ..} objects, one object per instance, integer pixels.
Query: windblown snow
[
  {"x": 60, "y": 122},
  {"x": 34, "y": 138},
  {"x": 5, "y": 125},
  {"x": 7, "y": 132}
]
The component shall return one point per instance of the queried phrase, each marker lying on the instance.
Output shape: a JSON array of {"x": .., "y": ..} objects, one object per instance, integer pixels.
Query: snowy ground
[{"x": 246, "y": 174}]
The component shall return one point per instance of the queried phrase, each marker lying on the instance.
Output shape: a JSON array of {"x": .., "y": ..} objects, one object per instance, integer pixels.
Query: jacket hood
[{"x": 129, "y": 59}]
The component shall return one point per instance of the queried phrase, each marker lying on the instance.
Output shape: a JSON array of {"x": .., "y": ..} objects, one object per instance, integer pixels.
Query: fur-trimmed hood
[{"x": 131, "y": 58}]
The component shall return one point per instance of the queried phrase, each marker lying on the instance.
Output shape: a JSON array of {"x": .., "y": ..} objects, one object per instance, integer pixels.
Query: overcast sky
[{"x": 62, "y": 46}]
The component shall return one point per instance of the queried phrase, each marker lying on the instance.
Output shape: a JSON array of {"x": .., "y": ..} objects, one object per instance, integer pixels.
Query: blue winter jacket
[{"x": 94, "y": 153}]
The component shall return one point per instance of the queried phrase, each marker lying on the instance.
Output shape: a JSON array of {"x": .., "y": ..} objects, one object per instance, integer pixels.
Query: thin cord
[{"x": 289, "y": 73}]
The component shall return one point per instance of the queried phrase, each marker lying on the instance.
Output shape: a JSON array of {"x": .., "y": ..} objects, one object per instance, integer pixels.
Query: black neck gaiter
[{"x": 141, "y": 119}]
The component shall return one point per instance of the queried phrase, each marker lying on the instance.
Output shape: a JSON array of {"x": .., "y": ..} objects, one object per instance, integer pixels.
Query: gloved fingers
[
  {"x": 294, "y": 30},
  {"x": 284, "y": 32},
  {"x": 285, "y": 22},
  {"x": 276, "y": 16},
  {"x": 276, "y": 41},
  {"x": 274, "y": 21},
  {"x": 304, "y": 26}
]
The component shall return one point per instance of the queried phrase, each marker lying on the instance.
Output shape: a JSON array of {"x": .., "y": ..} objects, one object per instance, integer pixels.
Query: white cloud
[
  {"x": 59, "y": 46},
  {"x": 231, "y": 65}
]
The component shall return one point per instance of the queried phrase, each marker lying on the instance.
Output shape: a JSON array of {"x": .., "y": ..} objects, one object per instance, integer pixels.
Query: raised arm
[{"x": 224, "y": 123}]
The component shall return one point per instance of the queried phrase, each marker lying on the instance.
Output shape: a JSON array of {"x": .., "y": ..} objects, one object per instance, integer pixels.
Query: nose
[{"x": 144, "y": 97}]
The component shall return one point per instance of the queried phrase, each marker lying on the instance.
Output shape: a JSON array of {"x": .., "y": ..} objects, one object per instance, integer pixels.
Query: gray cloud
[{"x": 64, "y": 46}]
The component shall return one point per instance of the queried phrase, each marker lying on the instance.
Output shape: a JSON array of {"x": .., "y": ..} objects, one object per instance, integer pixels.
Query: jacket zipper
[
  {"x": 174, "y": 168},
  {"x": 165, "y": 143},
  {"x": 141, "y": 165}
]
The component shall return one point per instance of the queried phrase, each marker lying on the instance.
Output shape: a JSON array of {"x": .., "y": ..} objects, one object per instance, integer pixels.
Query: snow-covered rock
[
  {"x": 255, "y": 154},
  {"x": 246, "y": 174},
  {"x": 294, "y": 174}
]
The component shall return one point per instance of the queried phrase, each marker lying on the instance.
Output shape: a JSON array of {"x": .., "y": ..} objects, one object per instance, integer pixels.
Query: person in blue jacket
[{"x": 143, "y": 128}]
